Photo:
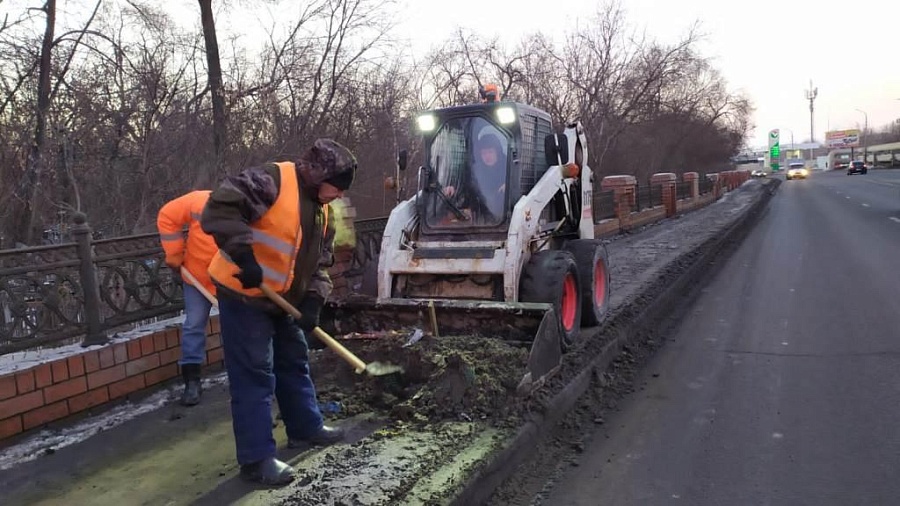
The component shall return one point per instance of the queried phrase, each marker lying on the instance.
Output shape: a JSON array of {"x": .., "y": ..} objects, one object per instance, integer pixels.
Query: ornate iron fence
[
  {"x": 706, "y": 185},
  {"x": 683, "y": 190},
  {"x": 85, "y": 288},
  {"x": 647, "y": 196},
  {"x": 604, "y": 205},
  {"x": 43, "y": 299}
]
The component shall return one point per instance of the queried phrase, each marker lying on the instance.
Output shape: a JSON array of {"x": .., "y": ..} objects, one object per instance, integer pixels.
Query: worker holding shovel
[
  {"x": 189, "y": 257},
  {"x": 271, "y": 224}
]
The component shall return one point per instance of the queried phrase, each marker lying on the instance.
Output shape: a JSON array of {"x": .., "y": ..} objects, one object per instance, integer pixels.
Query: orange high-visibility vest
[
  {"x": 277, "y": 236},
  {"x": 198, "y": 250}
]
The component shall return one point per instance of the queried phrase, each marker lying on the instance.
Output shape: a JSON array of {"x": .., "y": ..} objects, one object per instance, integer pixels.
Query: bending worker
[
  {"x": 194, "y": 255},
  {"x": 271, "y": 225}
]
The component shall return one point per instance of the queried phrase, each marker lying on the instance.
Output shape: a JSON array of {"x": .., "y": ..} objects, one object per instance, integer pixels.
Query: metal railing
[
  {"x": 604, "y": 204},
  {"x": 706, "y": 185},
  {"x": 85, "y": 289},
  {"x": 683, "y": 190},
  {"x": 647, "y": 196},
  {"x": 54, "y": 293}
]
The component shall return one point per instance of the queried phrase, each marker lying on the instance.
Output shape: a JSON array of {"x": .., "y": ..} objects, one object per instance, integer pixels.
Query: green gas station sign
[{"x": 774, "y": 150}]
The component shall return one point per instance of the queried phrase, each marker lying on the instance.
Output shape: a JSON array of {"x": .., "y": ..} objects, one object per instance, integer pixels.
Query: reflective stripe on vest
[{"x": 172, "y": 237}]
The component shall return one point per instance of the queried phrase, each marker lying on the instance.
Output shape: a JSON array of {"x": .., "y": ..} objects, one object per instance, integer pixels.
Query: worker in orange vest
[
  {"x": 192, "y": 252},
  {"x": 489, "y": 93},
  {"x": 272, "y": 226}
]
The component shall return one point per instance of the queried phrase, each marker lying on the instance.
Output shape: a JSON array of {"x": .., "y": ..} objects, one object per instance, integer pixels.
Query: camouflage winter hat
[{"x": 327, "y": 161}]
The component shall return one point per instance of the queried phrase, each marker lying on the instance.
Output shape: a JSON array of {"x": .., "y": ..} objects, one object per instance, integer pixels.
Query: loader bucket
[{"x": 532, "y": 324}]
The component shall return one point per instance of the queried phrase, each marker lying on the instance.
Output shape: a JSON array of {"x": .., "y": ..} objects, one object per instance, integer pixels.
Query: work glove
[
  {"x": 310, "y": 307},
  {"x": 251, "y": 275}
]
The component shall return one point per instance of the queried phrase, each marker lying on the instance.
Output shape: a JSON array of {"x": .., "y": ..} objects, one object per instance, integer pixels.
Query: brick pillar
[
  {"x": 717, "y": 184},
  {"x": 693, "y": 179},
  {"x": 723, "y": 181},
  {"x": 623, "y": 188},
  {"x": 669, "y": 196}
]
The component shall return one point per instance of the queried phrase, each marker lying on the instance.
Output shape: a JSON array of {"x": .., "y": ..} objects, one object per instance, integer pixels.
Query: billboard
[{"x": 837, "y": 139}]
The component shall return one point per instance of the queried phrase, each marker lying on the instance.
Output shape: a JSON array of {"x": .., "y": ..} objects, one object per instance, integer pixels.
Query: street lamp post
[
  {"x": 865, "y": 137},
  {"x": 792, "y": 137}
]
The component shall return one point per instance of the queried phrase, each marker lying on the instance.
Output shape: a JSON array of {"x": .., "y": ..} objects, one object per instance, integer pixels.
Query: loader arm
[{"x": 523, "y": 227}]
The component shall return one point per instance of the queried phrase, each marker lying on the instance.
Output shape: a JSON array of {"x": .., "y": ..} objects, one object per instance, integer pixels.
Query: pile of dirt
[{"x": 445, "y": 378}]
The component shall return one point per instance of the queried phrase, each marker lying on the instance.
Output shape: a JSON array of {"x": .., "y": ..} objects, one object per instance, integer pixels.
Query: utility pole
[
  {"x": 865, "y": 137},
  {"x": 811, "y": 95}
]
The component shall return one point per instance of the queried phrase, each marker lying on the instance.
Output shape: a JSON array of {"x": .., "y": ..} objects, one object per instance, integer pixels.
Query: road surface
[{"x": 782, "y": 385}]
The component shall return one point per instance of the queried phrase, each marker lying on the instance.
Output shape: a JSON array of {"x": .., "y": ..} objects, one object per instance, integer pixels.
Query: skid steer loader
[{"x": 501, "y": 244}]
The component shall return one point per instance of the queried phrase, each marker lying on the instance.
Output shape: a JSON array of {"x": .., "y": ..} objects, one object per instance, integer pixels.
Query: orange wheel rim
[{"x": 569, "y": 305}]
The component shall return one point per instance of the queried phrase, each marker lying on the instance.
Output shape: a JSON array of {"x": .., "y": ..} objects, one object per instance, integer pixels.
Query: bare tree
[
  {"x": 616, "y": 75},
  {"x": 220, "y": 122}
]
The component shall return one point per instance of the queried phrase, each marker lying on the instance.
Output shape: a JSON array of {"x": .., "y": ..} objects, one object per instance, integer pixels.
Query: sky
[{"x": 769, "y": 50}]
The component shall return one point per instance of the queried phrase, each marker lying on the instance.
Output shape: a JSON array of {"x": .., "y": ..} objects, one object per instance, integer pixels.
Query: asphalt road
[{"x": 782, "y": 386}]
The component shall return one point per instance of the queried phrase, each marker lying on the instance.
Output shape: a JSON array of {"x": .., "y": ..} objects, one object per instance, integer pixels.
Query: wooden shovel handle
[
  {"x": 338, "y": 348},
  {"x": 199, "y": 286}
]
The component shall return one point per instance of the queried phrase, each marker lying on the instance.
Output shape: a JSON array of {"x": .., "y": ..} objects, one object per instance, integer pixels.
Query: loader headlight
[
  {"x": 506, "y": 115},
  {"x": 425, "y": 122}
]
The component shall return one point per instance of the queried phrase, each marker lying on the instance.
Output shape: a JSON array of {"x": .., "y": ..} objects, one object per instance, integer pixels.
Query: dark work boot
[
  {"x": 192, "y": 386},
  {"x": 271, "y": 472},
  {"x": 326, "y": 436}
]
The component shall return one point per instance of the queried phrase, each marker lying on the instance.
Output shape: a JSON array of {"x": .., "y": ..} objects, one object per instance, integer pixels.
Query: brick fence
[
  {"x": 78, "y": 379},
  {"x": 95, "y": 376}
]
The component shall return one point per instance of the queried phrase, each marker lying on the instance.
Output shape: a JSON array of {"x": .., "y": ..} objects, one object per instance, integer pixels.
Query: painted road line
[
  {"x": 894, "y": 219},
  {"x": 882, "y": 182},
  {"x": 865, "y": 205}
]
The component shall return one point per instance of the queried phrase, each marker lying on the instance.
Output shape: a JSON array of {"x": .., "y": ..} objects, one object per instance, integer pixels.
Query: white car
[
  {"x": 796, "y": 171},
  {"x": 758, "y": 173}
]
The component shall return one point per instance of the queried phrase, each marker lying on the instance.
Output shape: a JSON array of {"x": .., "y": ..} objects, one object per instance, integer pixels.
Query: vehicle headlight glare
[
  {"x": 425, "y": 122},
  {"x": 506, "y": 115}
]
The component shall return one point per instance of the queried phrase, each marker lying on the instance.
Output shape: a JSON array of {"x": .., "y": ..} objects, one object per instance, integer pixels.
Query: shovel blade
[{"x": 382, "y": 369}]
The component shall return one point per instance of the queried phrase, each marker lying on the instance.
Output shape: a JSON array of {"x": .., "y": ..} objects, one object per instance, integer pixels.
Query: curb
[{"x": 483, "y": 483}]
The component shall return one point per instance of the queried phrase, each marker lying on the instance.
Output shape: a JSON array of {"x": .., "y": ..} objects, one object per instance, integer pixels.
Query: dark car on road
[{"x": 857, "y": 167}]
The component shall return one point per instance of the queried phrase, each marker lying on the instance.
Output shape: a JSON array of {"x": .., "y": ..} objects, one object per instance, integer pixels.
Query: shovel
[
  {"x": 202, "y": 289},
  {"x": 372, "y": 368}
]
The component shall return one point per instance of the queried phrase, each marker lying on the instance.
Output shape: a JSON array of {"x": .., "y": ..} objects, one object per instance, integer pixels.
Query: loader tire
[
  {"x": 593, "y": 266},
  {"x": 552, "y": 277}
]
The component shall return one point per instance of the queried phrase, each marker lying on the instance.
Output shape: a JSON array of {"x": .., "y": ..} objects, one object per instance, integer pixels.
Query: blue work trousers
[
  {"x": 266, "y": 355},
  {"x": 193, "y": 330}
]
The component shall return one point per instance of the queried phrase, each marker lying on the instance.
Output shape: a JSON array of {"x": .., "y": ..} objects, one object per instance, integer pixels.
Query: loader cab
[{"x": 479, "y": 160}]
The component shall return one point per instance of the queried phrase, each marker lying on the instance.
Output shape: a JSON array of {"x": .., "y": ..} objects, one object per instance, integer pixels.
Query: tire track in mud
[{"x": 601, "y": 370}]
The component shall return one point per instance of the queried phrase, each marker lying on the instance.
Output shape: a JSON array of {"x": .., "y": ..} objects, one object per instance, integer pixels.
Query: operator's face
[
  {"x": 489, "y": 156},
  {"x": 329, "y": 192}
]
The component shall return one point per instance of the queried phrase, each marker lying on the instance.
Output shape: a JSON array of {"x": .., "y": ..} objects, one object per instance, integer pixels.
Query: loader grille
[{"x": 534, "y": 130}]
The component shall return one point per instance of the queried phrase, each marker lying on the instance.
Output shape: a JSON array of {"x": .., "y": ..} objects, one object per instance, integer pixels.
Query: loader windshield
[{"x": 468, "y": 165}]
